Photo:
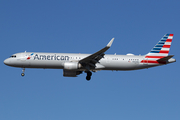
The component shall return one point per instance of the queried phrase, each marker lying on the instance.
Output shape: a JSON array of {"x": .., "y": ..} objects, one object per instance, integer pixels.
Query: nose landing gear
[
  {"x": 89, "y": 74},
  {"x": 22, "y": 74}
]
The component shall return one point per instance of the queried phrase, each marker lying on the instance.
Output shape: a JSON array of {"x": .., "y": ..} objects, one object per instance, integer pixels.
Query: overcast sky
[{"x": 86, "y": 26}]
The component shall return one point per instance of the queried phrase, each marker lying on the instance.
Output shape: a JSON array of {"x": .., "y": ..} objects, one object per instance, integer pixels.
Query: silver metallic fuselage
[
  {"x": 57, "y": 60},
  {"x": 74, "y": 64}
]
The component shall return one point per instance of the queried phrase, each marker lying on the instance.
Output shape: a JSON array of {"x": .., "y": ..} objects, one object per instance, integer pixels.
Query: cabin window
[{"x": 114, "y": 58}]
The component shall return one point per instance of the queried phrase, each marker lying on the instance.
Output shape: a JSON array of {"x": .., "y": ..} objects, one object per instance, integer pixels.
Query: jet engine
[{"x": 72, "y": 65}]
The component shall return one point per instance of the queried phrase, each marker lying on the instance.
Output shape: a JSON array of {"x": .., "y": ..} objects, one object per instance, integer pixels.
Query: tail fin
[
  {"x": 161, "y": 49},
  {"x": 159, "y": 53}
]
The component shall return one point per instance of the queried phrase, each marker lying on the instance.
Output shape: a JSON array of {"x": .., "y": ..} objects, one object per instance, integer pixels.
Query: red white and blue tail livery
[
  {"x": 159, "y": 53},
  {"x": 75, "y": 64}
]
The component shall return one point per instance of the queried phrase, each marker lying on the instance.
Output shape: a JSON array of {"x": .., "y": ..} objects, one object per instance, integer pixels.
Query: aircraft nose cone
[{"x": 6, "y": 61}]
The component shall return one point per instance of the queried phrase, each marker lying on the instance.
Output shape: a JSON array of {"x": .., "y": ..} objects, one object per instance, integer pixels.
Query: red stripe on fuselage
[{"x": 155, "y": 56}]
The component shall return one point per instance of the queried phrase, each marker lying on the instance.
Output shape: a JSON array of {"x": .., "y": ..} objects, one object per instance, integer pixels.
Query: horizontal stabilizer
[{"x": 165, "y": 58}]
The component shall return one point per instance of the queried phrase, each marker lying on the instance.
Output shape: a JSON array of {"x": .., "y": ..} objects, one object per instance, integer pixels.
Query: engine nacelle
[
  {"x": 71, "y": 65},
  {"x": 71, "y": 73}
]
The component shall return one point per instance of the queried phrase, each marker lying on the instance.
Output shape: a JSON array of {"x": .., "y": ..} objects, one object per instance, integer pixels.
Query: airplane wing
[{"x": 92, "y": 59}]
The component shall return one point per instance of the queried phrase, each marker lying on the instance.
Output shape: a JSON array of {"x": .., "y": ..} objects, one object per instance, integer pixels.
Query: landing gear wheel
[
  {"x": 23, "y": 70},
  {"x": 89, "y": 74},
  {"x": 88, "y": 78},
  {"x": 22, "y": 74}
]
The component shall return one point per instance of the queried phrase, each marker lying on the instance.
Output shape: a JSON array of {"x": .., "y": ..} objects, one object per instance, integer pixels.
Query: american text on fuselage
[{"x": 51, "y": 57}]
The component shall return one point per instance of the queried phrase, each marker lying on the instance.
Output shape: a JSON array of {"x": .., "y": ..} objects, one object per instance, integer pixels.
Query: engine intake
[{"x": 72, "y": 65}]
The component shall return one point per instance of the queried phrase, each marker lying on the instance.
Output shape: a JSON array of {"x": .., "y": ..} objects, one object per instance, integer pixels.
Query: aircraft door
[
  {"x": 108, "y": 60},
  {"x": 23, "y": 57},
  {"x": 24, "y": 60}
]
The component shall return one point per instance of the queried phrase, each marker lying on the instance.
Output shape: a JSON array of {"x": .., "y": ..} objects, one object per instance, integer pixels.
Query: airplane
[{"x": 75, "y": 64}]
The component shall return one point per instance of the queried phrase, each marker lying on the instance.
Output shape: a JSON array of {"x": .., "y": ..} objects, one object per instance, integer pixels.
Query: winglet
[{"x": 110, "y": 43}]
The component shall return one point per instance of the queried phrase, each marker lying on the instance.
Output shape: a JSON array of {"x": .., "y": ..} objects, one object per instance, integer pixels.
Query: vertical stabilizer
[
  {"x": 159, "y": 53},
  {"x": 162, "y": 48}
]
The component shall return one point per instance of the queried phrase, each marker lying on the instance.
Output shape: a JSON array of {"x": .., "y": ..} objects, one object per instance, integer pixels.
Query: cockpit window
[{"x": 13, "y": 56}]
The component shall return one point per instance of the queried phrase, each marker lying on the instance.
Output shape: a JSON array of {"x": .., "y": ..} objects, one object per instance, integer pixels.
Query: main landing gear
[
  {"x": 22, "y": 74},
  {"x": 89, "y": 74}
]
